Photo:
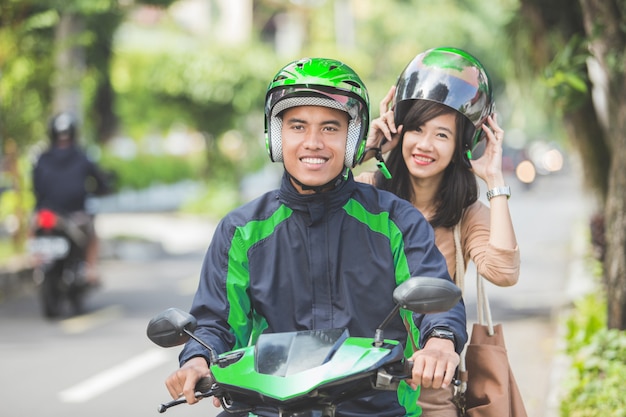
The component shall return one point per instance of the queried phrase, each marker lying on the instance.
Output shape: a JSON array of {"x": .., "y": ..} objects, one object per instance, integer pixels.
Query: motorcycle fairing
[{"x": 276, "y": 372}]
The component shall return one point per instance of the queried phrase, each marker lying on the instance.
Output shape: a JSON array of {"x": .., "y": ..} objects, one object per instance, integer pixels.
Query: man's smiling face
[{"x": 314, "y": 144}]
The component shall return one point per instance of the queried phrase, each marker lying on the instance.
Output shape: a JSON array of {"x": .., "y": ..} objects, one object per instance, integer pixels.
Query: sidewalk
[
  {"x": 176, "y": 233},
  {"x": 536, "y": 344},
  {"x": 125, "y": 236}
]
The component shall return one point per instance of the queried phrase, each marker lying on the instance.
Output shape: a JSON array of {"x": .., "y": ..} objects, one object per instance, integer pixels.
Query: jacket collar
[{"x": 316, "y": 205}]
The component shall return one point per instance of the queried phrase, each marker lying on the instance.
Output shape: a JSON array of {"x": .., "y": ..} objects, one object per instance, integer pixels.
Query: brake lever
[{"x": 204, "y": 388}]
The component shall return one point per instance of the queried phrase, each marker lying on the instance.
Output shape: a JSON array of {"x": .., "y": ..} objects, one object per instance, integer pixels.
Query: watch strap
[{"x": 494, "y": 192}]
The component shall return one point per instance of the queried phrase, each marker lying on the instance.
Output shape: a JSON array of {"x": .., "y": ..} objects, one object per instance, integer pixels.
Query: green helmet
[
  {"x": 317, "y": 82},
  {"x": 451, "y": 77}
]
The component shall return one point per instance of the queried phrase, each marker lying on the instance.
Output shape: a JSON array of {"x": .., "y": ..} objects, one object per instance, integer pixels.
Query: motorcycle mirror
[
  {"x": 171, "y": 327},
  {"x": 421, "y": 295},
  {"x": 427, "y": 295}
]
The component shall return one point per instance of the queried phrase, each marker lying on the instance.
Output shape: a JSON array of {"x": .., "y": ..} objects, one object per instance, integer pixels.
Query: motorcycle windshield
[{"x": 284, "y": 354}]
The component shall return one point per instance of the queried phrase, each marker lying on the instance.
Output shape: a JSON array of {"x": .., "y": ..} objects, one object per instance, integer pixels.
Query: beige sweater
[{"x": 500, "y": 266}]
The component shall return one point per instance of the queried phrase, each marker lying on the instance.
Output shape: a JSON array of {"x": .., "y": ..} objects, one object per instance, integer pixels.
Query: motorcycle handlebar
[
  {"x": 204, "y": 388},
  {"x": 205, "y": 384}
]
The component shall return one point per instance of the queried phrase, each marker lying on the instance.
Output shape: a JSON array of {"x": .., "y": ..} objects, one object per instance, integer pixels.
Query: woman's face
[{"x": 429, "y": 149}]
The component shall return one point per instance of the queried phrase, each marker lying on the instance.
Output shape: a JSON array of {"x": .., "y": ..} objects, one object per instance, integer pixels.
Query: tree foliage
[
  {"x": 579, "y": 54},
  {"x": 28, "y": 69},
  {"x": 25, "y": 65}
]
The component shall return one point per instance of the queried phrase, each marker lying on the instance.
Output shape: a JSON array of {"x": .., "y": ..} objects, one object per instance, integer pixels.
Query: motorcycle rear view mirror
[
  {"x": 421, "y": 295},
  {"x": 171, "y": 327},
  {"x": 427, "y": 295},
  {"x": 174, "y": 327}
]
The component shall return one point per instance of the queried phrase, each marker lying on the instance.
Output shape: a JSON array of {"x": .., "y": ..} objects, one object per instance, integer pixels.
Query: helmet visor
[
  {"x": 348, "y": 102},
  {"x": 463, "y": 88}
]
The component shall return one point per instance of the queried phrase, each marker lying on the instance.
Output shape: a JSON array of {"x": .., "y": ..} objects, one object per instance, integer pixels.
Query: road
[
  {"x": 99, "y": 364},
  {"x": 102, "y": 364}
]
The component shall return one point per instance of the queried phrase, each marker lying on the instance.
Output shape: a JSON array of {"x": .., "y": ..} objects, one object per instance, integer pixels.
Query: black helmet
[
  {"x": 452, "y": 77},
  {"x": 319, "y": 82},
  {"x": 62, "y": 123}
]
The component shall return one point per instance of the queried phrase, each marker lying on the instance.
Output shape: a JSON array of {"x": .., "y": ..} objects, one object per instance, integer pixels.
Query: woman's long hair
[{"x": 458, "y": 189}]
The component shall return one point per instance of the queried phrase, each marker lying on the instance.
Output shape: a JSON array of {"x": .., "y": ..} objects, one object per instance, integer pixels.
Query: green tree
[
  {"x": 578, "y": 50},
  {"x": 55, "y": 55}
]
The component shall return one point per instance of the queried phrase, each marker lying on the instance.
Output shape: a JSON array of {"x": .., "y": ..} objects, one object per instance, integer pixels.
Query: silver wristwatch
[{"x": 494, "y": 192}]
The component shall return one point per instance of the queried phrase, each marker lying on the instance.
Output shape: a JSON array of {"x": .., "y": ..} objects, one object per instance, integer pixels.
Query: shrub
[
  {"x": 598, "y": 363},
  {"x": 145, "y": 170}
]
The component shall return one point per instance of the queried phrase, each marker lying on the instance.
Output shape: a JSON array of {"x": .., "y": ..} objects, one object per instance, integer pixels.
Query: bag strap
[
  {"x": 460, "y": 282},
  {"x": 482, "y": 303},
  {"x": 460, "y": 262},
  {"x": 484, "y": 311}
]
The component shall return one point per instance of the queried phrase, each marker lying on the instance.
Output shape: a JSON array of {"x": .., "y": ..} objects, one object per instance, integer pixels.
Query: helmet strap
[
  {"x": 381, "y": 162},
  {"x": 467, "y": 157}
]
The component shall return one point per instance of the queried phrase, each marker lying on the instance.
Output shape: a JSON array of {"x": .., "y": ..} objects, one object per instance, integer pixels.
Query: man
[
  {"x": 322, "y": 251},
  {"x": 63, "y": 177}
]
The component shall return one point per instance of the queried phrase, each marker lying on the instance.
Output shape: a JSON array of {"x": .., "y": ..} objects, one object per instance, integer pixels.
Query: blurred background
[{"x": 169, "y": 96}]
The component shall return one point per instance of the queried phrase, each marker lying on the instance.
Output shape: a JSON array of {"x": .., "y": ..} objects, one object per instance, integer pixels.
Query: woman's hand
[
  {"x": 383, "y": 132},
  {"x": 489, "y": 166}
]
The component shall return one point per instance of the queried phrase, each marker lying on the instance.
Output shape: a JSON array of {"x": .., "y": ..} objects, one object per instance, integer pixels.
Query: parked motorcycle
[
  {"x": 58, "y": 246},
  {"x": 305, "y": 373}
]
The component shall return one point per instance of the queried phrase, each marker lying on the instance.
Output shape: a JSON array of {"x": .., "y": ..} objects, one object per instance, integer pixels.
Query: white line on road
[{"x": 115, "y": 376}]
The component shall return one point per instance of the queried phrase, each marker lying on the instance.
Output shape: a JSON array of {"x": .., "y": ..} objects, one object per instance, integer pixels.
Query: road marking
[
  {"x": 85, "y": 322},
  {"x": 115, "y": 376}
]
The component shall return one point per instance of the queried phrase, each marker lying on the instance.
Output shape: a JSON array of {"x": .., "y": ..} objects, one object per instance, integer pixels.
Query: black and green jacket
[{"x": 287, "y": 262}]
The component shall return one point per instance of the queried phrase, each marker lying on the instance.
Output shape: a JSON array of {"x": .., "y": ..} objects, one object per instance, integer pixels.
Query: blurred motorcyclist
[{"x": 63, "y": 177}]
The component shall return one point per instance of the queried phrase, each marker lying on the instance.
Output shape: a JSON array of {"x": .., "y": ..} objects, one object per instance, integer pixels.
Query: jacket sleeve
[
  {"x": 37, "y": 186},
  {"x": 103, "y": 182},
  {"x": 425, "y": 259},
  {"x": 210, "y": 305}
]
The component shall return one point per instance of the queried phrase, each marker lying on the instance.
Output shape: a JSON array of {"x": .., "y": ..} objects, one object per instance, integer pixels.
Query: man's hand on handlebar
[
  {"x": 183, "y": 381},
  {"x": 434, "y": 366}
]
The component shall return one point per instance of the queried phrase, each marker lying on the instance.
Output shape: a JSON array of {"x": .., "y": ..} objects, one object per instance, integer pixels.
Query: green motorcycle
[{"x": 305, "y": 373}]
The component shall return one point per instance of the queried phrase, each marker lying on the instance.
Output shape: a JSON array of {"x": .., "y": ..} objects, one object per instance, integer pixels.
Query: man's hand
[
  {"x": 434, "y": 365},
  {"x": 184, "y": 380}
]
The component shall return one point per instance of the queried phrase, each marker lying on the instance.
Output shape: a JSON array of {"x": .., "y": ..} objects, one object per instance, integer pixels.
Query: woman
[{"x": 442, "y": 108}]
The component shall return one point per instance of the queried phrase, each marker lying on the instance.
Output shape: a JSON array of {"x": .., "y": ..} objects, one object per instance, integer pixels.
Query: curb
[
  {"x": 16, "y": 277},
  {"x": 579, "y": 284}
]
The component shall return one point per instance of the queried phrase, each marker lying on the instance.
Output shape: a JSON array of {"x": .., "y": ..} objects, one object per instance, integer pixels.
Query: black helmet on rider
[
  {"x": 451, "y": 77},
  {"x": 318, "y": 82},
  {"x": 62, "y": 124}
]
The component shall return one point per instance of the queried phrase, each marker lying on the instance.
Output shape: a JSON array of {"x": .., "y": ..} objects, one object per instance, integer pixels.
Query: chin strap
[
  {"x": 381, "y": 162},
  {"x": 324, "y": 187}
]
